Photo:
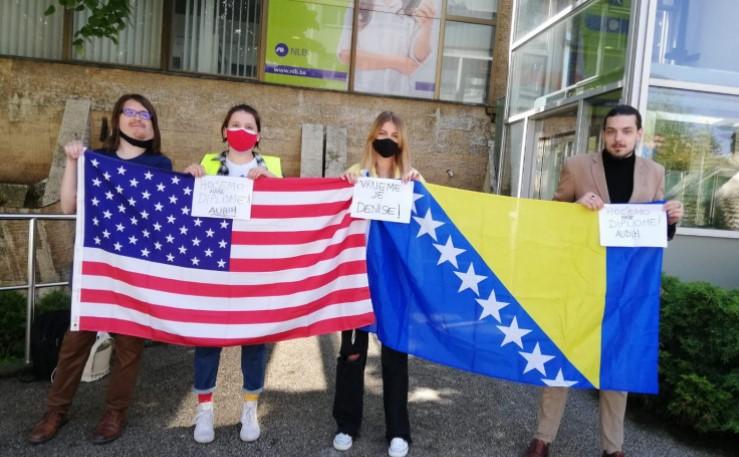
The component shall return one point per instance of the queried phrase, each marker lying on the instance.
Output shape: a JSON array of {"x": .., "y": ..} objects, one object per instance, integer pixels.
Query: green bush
[
  {"x": 699, "y": 357},
  {"x": 12, "y": 324},
  {"x": 13, "y": 319}
]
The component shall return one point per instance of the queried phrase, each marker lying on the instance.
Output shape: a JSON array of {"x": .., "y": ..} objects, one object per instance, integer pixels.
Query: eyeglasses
[{"x": 143, "y": 115}]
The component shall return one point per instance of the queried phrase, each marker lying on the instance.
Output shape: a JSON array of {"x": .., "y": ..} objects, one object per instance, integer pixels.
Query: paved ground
[{"x": 452, "y": 413}]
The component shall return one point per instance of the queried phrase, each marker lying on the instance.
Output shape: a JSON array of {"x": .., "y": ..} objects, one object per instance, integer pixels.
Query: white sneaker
[
  {"x": 204, "y": 432},
  {"x": 398, "y": 448},
  {"x": 249, "y": 422},
  {"x": 343, "y": 442}
]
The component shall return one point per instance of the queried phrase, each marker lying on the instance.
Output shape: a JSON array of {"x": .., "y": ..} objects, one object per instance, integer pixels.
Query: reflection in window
[
  {"x": 396, "y": 47},
  {"x": 510, "y": 161},
  {"x": 694, "y": 135},
  {"x": 138, "y": 44},
  {"x": 532, "y": 13},
  {"x": 468, "y": 54},
  {"x": 693, "y": 41},
  {"x": 587, "y": 50},
  {"x": 599, "y": 106},
  {"x": 482, "y": 9},
  {"x": 555, "y": 139},
  {"x": 25, "y": 31},
  {"x": 216, "y": 36}
]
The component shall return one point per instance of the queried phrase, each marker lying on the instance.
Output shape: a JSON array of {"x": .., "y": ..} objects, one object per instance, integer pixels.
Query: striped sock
[
  {"x": 205, "y": 398},
  {"x": 248, "y": 396}
]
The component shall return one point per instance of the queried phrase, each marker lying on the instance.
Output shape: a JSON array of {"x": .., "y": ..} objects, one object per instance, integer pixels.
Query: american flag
[{"x": 145, "y": 267}]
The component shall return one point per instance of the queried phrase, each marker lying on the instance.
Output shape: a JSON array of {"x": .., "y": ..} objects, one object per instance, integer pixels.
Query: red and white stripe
[{"x": 297, "y": 269}]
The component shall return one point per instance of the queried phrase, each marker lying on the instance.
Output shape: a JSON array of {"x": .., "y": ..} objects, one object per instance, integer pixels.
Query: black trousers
[{"x": 348, "y": 402}]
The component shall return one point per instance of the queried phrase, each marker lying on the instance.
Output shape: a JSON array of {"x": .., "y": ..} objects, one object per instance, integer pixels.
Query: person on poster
[
  {"x": 614, "y": 175},
  {"x": 134, "y": 139},
  {"x": 393, "y": 41}
]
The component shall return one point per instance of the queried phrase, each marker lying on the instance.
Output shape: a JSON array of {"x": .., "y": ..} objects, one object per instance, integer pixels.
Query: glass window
[
  {"x": 219, "y": 37},
  {"x": 598, "y": 107},
  {"x": 396, "y": 47},
  {"x": 25, "y": 31},
  {"x": 694, "y": 135},
  {"x": 311, "y": 45},
  {"x": 695, "y": 40},
  {"x": 532, "y": 13},
  {"x": 555, "y": 140},
  {"x": 468, "y": 55},
  {"x": 482, "y": 9},
  {"x": 588, "y": 50},
  {"x": 510, "y": 164},
  {"x": 138, "y": 44}
]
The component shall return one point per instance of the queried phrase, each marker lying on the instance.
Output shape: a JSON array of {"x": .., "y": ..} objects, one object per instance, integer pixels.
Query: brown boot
[
  {"x": 47, "y": 427},
  {"x": 614, "y": 454},
  {"x": 110, "y": 427},
  {"x": 537, "y": 448}
]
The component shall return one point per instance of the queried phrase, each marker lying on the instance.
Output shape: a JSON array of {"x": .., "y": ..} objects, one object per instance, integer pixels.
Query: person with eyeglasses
[
  {"x": 240, "y": 131},
  {"x": 134, "y": 138}
]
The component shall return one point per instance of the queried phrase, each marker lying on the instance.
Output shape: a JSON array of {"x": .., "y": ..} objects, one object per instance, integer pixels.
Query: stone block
[
  {"x": 75, "y": 126},
  {"x": 335, "y": 158},
  {"x": 311, "y": 150}
]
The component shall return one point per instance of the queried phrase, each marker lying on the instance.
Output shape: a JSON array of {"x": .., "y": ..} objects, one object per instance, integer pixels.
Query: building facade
[
  {"x": 307, "y": 66},
  {"x": 572, "y": 60}
]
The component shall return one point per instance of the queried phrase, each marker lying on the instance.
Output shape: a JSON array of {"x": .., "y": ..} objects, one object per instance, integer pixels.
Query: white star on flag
[
  {"x": 470, "y": 279},
  {"x": 427, "y": 225},
  {"x": 559, "y": 381},
  {"x": 491, "y": 306},
  {"x": 513, "y": 333},
  {"x": 535, "y": 360},
  {"x": 448, "y": 252}
]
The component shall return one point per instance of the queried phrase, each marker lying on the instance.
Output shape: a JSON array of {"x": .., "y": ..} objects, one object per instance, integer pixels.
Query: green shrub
[
  {"x": 13, "y": 319},
  {"x": 699, "y": 357},
  {"x": 12, "y": 324}
]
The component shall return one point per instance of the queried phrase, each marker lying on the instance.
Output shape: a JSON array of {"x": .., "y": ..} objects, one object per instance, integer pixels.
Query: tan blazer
[{"x": 585, "y": 173}]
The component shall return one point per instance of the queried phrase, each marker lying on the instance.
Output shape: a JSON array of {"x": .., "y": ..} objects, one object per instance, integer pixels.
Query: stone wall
[{"x": 443, "y": 136}]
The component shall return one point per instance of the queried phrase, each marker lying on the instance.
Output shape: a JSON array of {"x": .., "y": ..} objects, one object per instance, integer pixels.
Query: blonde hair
[{"x": 402, "y": 160}]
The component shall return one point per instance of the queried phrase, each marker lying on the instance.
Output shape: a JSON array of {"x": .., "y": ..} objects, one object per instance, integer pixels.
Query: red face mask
[{"x": 241, "y": 139}]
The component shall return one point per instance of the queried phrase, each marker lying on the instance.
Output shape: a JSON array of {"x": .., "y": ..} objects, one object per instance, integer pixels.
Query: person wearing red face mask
[
  {"x": 240, "y": 130},
  {"x": 386, "y": 155}
]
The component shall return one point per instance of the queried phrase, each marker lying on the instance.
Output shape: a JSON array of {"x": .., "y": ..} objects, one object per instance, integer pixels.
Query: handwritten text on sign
[
  {"x": 223, "y": 197},
  {"x": 633, "y": 226},
  {"x": 382, "y": 200}
]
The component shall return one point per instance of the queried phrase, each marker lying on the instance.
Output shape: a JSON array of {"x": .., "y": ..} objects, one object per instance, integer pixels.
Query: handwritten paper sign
[
  {"x": 633, "y": 225},
  {"x": 222, "y": 197},
  {"x": 382, "y": 200}
]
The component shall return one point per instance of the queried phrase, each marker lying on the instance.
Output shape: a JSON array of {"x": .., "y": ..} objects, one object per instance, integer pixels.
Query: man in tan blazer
[{"x": 614, "y": 175}]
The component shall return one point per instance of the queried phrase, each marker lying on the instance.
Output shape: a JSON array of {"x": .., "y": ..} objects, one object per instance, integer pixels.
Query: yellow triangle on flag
[{"x": 548, "y": 256}]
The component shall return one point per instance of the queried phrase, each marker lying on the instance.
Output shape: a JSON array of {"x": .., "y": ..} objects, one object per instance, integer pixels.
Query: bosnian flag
[{"x": 144, "y": 267}]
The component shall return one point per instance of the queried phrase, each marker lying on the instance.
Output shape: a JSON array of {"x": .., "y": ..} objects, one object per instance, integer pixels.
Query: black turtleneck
[{"x": 619, "y": 176}]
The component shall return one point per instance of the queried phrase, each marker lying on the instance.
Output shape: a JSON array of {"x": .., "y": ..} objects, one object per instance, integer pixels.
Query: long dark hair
[
  {"x": 114, "y": 140},
  {"x": 247, "y": 109}
]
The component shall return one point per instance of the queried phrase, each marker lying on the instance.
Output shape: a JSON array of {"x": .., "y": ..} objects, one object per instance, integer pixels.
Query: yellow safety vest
[{"x": 211, "y": 162}]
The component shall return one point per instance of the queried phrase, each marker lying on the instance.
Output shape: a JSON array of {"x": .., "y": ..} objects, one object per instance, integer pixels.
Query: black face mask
[
  {"x": 146, "y": 144},
  {"x": 386, "y": 147}
]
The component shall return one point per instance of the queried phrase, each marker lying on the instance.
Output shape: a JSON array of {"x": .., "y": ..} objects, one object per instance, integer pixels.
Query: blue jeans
[{"x": 253, "y": 364}]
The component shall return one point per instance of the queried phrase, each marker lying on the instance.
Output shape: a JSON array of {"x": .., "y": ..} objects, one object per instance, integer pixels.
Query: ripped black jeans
[{"x": 348, "y": 400}]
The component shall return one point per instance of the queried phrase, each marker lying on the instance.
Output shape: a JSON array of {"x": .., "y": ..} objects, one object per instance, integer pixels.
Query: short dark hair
[
  {"x": 245, "y": 108},
  {"x": 623, "y": 110},
  {"x": 114, "y": 140}
]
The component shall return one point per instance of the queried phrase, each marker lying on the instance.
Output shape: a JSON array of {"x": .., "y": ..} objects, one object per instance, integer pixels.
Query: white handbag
[{"x": 98, "y": 363}]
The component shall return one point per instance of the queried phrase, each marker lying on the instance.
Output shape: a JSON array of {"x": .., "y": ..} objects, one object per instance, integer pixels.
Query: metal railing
[{"x": 31, "y": 285}]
